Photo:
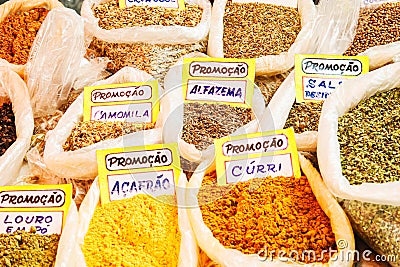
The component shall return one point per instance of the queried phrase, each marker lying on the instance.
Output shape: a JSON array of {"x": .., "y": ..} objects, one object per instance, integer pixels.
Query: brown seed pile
[
  {"x": 369, "y": 138},
  {"x": 268, "y": 85},
  {"x": 155, "y": 59},
  {"x": 87, "y": 133},
  {"x": 17, "y": 33},
  {"x": 111, "y": 16},
  {"x": 304, "y": 116},
  {"x": 252, "y": 30},
  {"x": 28, "y": 249},
  {"x": 377, "y": 26},
  {"x": 8, "y": 133},
  {"x": 279, "y": 213},
  {"x": 202, "y": 123}
]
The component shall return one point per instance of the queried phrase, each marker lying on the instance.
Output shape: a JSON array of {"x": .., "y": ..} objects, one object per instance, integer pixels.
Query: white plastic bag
[
  {"x": 333, "y": 33},
  {"x": 12, "y": 7},
  {"x": 154, "y": 34},
  {"x": 54, "y": 61},
  {"x": 188, "y": 256},
  {"x": 67, "y": 242},
  {"x": 232, "y": 258},
  {"x": 13, "y": 87},
  {"x": 82, "y": 163},
  {"x": 382, "y": 54},
  {"x": 270, "y": 64},
  {"x": 173, "y": 99},
  {"x": 347, "y": 96}
]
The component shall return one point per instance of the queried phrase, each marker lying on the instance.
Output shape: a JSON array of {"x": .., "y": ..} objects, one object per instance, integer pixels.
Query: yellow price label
[
  {"x": 127, "y": 102},
  {"x": 126, "y": 172},
  {"x": 318, "y": 76},
  {"x": 226, "y": 80},
  {"x": 44, "y": 207},
  {"x": 257, "y": 155}
]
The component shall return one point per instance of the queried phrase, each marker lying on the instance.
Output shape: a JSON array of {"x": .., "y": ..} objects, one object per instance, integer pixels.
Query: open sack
[
  {"x": 343, "y": 16},
  {"x": 152, "y": 48},
  {"x": 334, "y": 32},
  {"x": 222, "y": 256},
  {"x": 188, "y": 255},
  {"x": 173, "y": 111},
  {"x": 12, "y": 7},
  {"x": 82, "y": 163},
  {"x": 148, "y": 34},
  {"x": 346, "y": 97},
  {"x": 13, "y": 88},
  {"x": 269, "y": 64}
]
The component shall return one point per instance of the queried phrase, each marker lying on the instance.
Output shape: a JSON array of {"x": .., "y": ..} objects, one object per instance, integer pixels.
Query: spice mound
[
  {"x": 280, "y": 214},
  {"x": 369, "y": 138},
  {"x": 268, "y": 85},
  {"x": 304, "y": 116},
  {"x": 17, "y": 33},
  {"x": 202, "y": 123},
  {"x": 111, "y": 16},
  {"x": 28, "y": 249},
  {"x": 87, "y": 133},
  {"x": 252, "y": 30},
  {"x": 379, "y": 26},
  {"x": 8, "y": 133},
  {"x": 155, "y": 59},
  {"x": 377, "y": 224},
  {"x": 139, "y": 231}
]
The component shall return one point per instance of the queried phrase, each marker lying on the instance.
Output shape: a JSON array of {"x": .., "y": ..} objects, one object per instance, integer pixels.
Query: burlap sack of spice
[
  {"x": 13, "y": 88},
  {"x": 14, "y": 6},
  {"x": 173, "y": 111},
  {"x": 346, "y": 97},
  {"x": 147, "y": 34},
  {"x": 218, "y": 255},
  {"x": 82, "y": 163},
  {"x": 188, "y": 256},
  {"x": 269, "y": 64}
]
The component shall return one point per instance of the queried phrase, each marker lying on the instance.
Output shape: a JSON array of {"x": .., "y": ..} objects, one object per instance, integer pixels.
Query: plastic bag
[
  {"x": 66, "y": 245},
  {"x": 54, "y": 61},
  {"x": 14, "y": 88},
  {"x": 270, "y": 64},
  {"x": 347, "y": 96},
  {"x": 378, "y": 55},
  {"x": 188, "y": 256},
  {"x": 82, "y": 163},
  {"x": 12, "y": 7},
  {"x": 147, "y": 34},
  {"x": 229, "y": 257},
  {"x": 174, "y": 112},
  {"x": 334, "y": 31}
]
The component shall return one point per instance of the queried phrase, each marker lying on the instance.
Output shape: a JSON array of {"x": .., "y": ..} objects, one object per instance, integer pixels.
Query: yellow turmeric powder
[
  {"x": 269, "y": 214},
  {"x": 139, "y": 231}
]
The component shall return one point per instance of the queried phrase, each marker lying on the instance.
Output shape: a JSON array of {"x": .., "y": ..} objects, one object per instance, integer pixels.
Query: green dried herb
[
  {"x": 378, "y": 225},
  {"x": 369, "y": 137},
  {"x": 28, "y": 249}
]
